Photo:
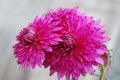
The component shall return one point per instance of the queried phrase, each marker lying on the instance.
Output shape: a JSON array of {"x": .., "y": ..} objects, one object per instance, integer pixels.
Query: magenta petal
[
  {"x": 106, "y": 39},
  {"x": 54, "y": 35},
  {"x": 39, "y": 62},
  {"x": 47, "y": 48},
  {"x": 33, "y": 65},
  {"x": 53, "y": 42},
  {"x": 33, "y": 62},
  {"x": 100, "y": 51},
  {"x": 57, "y": 39},
  {"x": 99, "y": 60},
  {"x": 56, "y": 28}
]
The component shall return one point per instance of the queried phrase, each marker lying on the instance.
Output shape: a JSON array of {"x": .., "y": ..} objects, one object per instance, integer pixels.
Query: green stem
[
  {"x": 100, "y": 75},
  {"x": 107, "y": 60},
  {"x": 104, "y": 67}
]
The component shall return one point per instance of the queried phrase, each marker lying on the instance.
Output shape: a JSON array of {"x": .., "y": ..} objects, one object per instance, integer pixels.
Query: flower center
[
  {"x": 68, "y": 43},
  {"x": 29, "y": 37}
]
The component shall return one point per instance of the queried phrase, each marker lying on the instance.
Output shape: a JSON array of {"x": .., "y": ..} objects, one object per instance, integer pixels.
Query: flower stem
[
  {"x": 105, "y": 67},
  {"x": 102, "y": 73}
]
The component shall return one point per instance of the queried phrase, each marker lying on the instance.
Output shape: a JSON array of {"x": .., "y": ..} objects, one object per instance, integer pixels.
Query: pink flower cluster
[{"x": 67, "y": 41}]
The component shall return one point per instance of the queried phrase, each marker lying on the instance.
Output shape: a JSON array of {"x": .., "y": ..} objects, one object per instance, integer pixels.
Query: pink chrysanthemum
[
  {"x": 34, "y": 40},
  {"x": 82, "y": 45}
]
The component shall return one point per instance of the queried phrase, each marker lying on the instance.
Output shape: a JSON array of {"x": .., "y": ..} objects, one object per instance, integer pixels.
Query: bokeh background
[{"x": 16, "y": 14}]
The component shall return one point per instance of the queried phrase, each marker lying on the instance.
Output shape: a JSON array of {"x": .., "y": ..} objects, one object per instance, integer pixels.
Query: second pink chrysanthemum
[
  {"x": 34, "y": 40},
  {"x": 82, "y": 45}
]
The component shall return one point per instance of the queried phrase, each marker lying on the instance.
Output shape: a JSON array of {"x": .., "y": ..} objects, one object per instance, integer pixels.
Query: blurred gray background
[{"x": 16, "y": 14}]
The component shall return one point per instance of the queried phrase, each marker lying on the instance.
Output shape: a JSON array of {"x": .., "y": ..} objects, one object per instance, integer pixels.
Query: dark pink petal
[
  {"x": 47, "y": 48},
  {"x": 56, "y": 28},
  {"x": 99, "y": 60}
]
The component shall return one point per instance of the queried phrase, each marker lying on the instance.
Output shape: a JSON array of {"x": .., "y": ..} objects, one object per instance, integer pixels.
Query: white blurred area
[{"x": 16, "y": 14}]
